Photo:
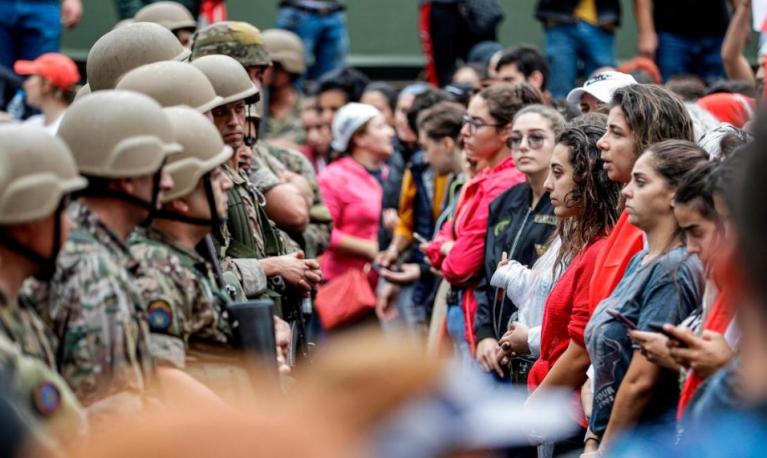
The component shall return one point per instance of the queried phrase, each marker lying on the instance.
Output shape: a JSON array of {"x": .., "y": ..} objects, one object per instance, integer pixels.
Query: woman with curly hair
[{"x": 587, "y": 204}]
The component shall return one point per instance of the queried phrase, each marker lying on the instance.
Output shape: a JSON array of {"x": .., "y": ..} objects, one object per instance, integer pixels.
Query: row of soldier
[{"x": 154, "y": 209}]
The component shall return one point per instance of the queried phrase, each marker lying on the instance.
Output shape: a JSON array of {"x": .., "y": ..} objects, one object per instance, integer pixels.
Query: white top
[
  {"x": 528, "y": 289},
  {"x": 38, "y": 120}
]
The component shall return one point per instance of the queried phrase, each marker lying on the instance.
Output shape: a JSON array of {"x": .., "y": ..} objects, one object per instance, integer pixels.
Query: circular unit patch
[
  {"x": 160, "y": 315},
  {"x": 46, "y": 397}
]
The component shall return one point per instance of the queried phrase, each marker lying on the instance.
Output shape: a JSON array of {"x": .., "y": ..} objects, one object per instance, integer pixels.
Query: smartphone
[
  {"x": 419, "y": 238},
  {"x": 623, "y": 319},
  {"x": 672, "y": 337}
]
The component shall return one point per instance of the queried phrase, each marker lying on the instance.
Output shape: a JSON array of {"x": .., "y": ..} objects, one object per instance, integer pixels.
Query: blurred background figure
[
  {"x": 283, "y": 99},
  {"x": 683, "y": 37},
  {"x": 50, "y": 87},
  {"x": 580, "y": 35},
  {"x": 321, "y": 24},
  {"x": 173, "y": 16},
  {"x": 129, "y": 8},
  {"x": 450, "y": 28}
]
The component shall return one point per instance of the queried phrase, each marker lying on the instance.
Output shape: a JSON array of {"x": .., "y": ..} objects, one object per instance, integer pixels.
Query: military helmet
[
  {"x": 239, "y": 40},
  {"x": 82, "y": 92},
  {"x": 128, "y": 47},
  {"x": 171, "y": 15},
  {"x": 36, "y": 171},
  {"x": 118, "y": 134},
  {"x": 286, "y": 48},
  {"x": 229, "y": 79},
  {"x": 202, "y": 150},
  {"x": 172, "y": 84}
]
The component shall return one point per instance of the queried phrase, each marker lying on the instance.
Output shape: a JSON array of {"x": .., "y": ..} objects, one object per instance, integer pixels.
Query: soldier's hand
[{"x": 282, "y": 338}]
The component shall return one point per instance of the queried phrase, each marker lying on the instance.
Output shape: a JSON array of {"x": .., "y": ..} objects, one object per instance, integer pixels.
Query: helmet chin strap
[
  {"x": 250, "y": 137},
  {"x": 150, "y": 206},
  {"x": 46, "y": 264},
  {"x": 213, "y": 222}
]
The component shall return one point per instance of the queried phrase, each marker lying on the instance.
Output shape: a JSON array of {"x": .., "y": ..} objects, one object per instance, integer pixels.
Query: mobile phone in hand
[
  {"x": 623, "y": 319},
  {"x": 419, "y": 238}
]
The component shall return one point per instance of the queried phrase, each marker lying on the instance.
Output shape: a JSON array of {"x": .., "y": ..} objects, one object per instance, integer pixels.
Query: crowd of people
[{"x": 210, "y": 221}]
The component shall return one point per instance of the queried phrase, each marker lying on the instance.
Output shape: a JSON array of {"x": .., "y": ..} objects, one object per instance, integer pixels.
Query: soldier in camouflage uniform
[
  {"x": 120, "y": 141},
  {"x": 282, "y": 110},
  {"x": 39, "y": 174},
  {"x": 246, "y": 44},
  {"x": 250, "y": 234},
  {"x": 184, "y": 297}
]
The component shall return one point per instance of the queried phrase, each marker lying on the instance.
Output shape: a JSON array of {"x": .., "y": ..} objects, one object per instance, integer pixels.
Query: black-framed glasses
[
  {"x": 534, "y": 141},
  {"x": 476, "y": 123}
]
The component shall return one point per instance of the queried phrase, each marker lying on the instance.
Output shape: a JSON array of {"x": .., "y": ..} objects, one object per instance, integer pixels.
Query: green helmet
[
  {"x": 286, "y": 48},
  {"x": 236, "y": 39},
  {"x": 36, "y": 171},
  {"x": 172, "y": 84},
  {"x": 203, "y": 150},
  {"x": 118, "y": 134},
  {"x": 229, "y": 79},
  {"x": 129, "y": 47},
  {"x": 171, "y": 15}
]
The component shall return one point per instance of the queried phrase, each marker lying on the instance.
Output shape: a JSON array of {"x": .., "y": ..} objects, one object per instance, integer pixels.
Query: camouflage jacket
[
  {"x": 98, "y": 314},
  {"x": 183, "y": 299},
  {"x": 21, "y": 324},
  {"x": 289, "y": 128},
  {"x": 316, "y": 237},
  {"x": 42, "y": 397}
]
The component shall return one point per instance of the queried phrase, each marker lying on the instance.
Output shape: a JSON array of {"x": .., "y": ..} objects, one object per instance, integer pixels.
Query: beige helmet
[
  {"x": 129, "y": 47},
  {"x": 171, "y": 15},
  {"x": 229, "y": 79},
  {"x": 36, "y": 172},
  {"x": 286, "y": 48},
  {"x": 203, "y": 150},
  {"x": 236, "y": 39},
  {"x": 172, "y": 84},
  {"x": 82, "y": 92},
  {"x": 118, "y": 134}
]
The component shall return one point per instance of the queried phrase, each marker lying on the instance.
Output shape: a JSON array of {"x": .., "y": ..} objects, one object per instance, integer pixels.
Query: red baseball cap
[{"x": 56, "y": 68}]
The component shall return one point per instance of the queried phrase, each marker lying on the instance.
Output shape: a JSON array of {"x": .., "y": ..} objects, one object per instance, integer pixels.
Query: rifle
[{"x": 252, "y": 321}]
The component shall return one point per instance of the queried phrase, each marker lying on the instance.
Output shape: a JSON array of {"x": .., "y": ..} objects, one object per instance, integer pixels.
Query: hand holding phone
[{"x": 623, "y": 319}]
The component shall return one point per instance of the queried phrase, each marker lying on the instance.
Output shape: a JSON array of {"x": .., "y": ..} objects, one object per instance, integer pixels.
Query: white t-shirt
[{"x": 38, "y": 120}]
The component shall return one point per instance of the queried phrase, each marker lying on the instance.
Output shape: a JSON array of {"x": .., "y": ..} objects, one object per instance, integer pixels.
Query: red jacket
[
  {"x": 566, "y": 313},
  {"x": 624, "y": 242},
  {"x": 463, "y": 266}
]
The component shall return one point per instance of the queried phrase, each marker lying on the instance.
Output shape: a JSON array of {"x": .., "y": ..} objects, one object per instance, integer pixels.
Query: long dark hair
[{"x": 594, "y": 192}]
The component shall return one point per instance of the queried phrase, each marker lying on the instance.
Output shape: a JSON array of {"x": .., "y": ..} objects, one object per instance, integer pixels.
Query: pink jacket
[
  {"x": 354, "y": 198},
  {"x": 462, "y": 267}
]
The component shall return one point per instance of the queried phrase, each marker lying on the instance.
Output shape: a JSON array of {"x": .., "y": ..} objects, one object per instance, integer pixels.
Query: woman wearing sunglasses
[
  {"x": 520, "y": 224},
  {"x": 458, "y": 249}
]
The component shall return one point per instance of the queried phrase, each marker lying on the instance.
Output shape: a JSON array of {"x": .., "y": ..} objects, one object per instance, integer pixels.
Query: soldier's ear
[{"x": 178, "y": 206}]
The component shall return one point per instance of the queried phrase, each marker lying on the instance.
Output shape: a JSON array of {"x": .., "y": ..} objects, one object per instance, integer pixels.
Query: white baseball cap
[
  {"x": 347, "y": 122},
  {"x": 601, "y": 86}
]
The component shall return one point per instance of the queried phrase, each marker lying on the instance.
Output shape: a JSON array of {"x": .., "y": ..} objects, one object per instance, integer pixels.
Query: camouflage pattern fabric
[
  {"x": 98, "y": 314},
  {"x": 316, "y": 237},
  {"x": 41, "y": 396},
  {"x": 21, "y": 324},
  {"x": 178, "y": 286},
  {"x": 234, "y": 39},
  {"x": 288, "y": 128}
]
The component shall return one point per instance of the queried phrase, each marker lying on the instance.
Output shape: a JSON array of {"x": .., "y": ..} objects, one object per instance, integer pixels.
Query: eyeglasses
[
  {"x": 534, "y": 141},
  {"x": 476, "y": 123}
]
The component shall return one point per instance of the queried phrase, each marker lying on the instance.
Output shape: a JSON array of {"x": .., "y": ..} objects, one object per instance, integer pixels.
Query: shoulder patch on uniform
[
  {"x": 545, "y": 219},
  {"x": 46, "y": 397},
  {"x": 159, "y": 315}
]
